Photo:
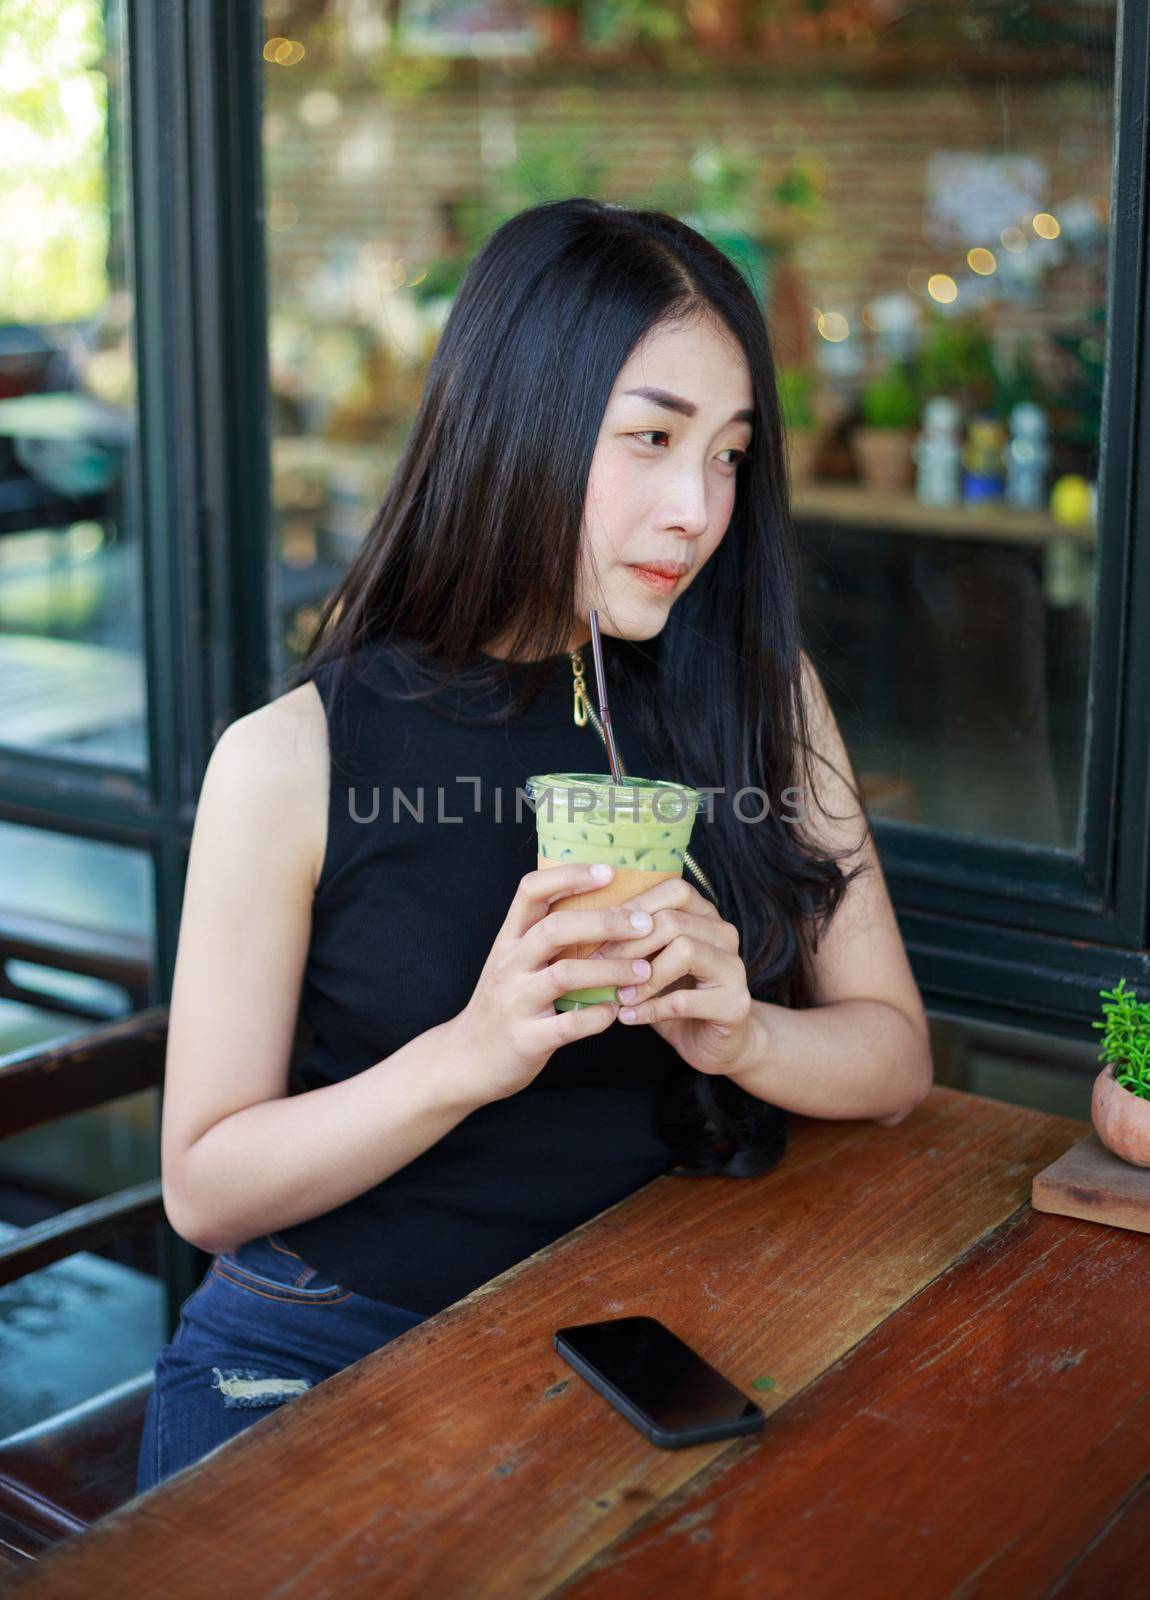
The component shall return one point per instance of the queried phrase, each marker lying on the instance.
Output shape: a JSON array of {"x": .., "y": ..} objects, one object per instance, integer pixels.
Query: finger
[
  {"x": 674, "y": 892},
  {"x": 669, "y": 924},
  {"x": 539, "y": 890},
  {"x": 685, "y": 957},
  {"x": 562, "y": 1027},
  {"x": 568, "y": 973},
  {"x": 581, "y": 928},
  {"x": 726, "y": 1004}
]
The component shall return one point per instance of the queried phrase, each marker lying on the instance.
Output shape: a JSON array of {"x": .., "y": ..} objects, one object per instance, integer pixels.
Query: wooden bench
[{"x": 62, "y": 1474}]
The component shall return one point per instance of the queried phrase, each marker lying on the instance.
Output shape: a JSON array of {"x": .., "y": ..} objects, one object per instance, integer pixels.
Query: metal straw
[{"x": 601, "y": 696}]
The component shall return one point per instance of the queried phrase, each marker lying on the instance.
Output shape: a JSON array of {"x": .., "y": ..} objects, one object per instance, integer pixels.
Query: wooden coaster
[{"x": 1092, "y": 1182}]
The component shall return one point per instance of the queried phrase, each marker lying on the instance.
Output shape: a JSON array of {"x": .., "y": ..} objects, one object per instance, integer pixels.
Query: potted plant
[
  {"x": 721, "y": 26},
  {"x": 1120, "y": 1104},
  {"x": 638, "y": 29},
  {"x": 956, "y": 359},
  {"x": 558, "y": 24},
  {"x": 883, "y": 443},
  {"x": 796, "y": 385}
]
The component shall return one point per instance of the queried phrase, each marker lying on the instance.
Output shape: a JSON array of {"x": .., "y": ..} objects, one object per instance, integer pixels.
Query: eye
[{"x": 649, "y": 433}]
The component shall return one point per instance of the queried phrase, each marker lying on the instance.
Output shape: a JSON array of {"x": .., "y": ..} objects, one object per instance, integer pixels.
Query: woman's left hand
[{"x": 696, "y": 996}]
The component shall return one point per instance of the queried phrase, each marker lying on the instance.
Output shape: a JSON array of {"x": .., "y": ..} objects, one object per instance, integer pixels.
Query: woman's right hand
[{"x": 509, "y": 1028}]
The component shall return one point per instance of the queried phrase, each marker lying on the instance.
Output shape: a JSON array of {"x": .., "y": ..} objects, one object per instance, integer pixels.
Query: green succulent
[{"x": 1126, "y": 1038}]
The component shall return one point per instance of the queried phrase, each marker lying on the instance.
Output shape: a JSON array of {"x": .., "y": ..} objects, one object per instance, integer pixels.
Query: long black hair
[{"x": 479, "y": 537}]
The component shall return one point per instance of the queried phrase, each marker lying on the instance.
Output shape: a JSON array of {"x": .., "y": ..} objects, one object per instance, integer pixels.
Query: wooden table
[{"x": 961, "y": 1405}]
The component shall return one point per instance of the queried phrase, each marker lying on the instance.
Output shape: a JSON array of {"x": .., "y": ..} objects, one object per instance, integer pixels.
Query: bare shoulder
[{"x": 277, "y": 755}]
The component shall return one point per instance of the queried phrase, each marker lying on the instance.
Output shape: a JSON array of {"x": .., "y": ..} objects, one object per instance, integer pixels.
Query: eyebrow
[{"x": 675, "y": 402}]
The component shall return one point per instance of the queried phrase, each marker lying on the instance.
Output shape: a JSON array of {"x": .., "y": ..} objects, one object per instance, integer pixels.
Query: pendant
[{"x": 580, "y": 710}]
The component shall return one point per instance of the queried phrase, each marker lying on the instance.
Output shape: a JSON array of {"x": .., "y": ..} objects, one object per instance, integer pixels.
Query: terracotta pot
[
  {"x": 1121, "y": 1119},
  {"x": 718, "y": 24},
  {"x": 883, "y": 456},
  {"x": 560, "y": 27}
]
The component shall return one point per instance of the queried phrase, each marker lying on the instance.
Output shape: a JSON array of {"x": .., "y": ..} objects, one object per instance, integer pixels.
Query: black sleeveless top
[{"x": 404, "y": 917}]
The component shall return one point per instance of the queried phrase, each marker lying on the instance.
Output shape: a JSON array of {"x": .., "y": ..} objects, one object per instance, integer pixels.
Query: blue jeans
[{"x": 261, "y": 1328}]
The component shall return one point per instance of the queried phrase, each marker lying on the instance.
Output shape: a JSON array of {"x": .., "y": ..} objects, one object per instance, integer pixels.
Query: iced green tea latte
[{"x": 641, "y": 826}]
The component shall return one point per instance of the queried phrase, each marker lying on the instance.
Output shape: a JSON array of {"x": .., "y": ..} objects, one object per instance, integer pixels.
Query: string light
[
  {"x": 283, "y": 52},
  {"x": 833, "y": 326}
]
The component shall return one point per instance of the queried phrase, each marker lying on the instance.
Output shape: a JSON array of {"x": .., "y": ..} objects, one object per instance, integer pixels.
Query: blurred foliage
[
  {"x": 1019, "y": 378},
  {"x": 956, "y": 358},
  {"x": 796, "y": 386},
  {"x": 1083, "y": 24},
  {"x": 890, "y": 400},
  {"x": 617, "y": 23},
  {"x": 733, "y": 190},
  {"x": 1077, "y": 391},
  {"x": 54, "y": 221}
]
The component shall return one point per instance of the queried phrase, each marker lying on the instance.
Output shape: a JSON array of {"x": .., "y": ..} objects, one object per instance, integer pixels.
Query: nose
[{"x": 685, "y": 504}]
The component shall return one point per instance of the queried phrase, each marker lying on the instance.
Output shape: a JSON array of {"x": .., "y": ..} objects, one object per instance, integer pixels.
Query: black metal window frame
[
  {"x": 196, "y": 485},
  {"x": 1027, "y": 935}
]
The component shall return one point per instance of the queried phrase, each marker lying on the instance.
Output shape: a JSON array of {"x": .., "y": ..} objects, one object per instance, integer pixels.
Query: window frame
[{"x": 1022, "y": 934}]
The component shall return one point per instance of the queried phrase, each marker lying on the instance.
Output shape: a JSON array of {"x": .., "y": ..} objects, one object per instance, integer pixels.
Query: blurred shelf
[{"x": 896, "y": 512}]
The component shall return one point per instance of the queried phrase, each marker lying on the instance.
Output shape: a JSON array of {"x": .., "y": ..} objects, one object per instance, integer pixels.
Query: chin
[{"x": 634, "y": 629}]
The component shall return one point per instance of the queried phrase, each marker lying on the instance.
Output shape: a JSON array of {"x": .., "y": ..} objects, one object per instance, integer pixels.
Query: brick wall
[{"x": 381, "y": 173}]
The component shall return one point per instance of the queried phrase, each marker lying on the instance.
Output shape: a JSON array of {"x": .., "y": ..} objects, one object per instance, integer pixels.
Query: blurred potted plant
[
  {"x": 637, "y": 27},
  {"x": 1079, "y": 361},
  {"x": 754, "y": 214},
  {"x": 814, "y": 24},
  {"x": 1120, "y": 1103},
  {"x": 796, "y": 388},
  {"x": 720, "y": 25},
  {"x": 883, "y": 443},
  {"x": 956, "y": 359},
  {"x": 558, "y": 24}
]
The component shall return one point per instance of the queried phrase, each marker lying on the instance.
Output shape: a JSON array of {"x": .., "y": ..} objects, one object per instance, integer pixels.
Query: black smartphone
[{"x": 662, "y": 1386}]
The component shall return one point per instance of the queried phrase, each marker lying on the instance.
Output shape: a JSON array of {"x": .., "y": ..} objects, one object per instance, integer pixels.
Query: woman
[{"x": 602, "y": 398}]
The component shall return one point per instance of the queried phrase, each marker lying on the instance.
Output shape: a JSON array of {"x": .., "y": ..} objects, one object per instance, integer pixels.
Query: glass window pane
[
  {"x": 71, "y": 657},
  {"x": 77, "y": 934},
  {"x": 920, "y": 194}
]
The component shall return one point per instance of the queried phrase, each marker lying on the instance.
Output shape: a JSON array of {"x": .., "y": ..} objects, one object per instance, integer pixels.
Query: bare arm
[
  {"x": 284, "y": 1161},
  {"x": 239, "y": 1157}
]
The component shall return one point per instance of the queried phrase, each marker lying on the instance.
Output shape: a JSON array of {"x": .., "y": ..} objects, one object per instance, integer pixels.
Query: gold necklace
[{"x": 584, "y": 710}]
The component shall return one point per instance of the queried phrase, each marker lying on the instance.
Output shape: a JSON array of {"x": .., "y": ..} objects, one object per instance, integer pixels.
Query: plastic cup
[{"x": 641, "y": 826}]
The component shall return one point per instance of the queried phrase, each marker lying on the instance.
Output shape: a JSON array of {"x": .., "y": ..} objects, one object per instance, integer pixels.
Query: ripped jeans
[{"x": 262, "y": 1327}]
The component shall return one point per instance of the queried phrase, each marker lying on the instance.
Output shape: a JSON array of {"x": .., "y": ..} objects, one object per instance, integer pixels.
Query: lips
[
  {"x": 656, "y": 581},
  {"x": 664, "y": 569}
]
